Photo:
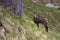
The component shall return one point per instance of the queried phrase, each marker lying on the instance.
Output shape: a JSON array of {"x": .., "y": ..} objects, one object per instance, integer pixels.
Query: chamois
[{"x": 39, "y": 19}]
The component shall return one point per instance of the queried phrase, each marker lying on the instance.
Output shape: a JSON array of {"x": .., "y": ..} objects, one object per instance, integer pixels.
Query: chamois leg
[
  {"x": 46, "y": 27},
  {"x": 37, "y": 25}
]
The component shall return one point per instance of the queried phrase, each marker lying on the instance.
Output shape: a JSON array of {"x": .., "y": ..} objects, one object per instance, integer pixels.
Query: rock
[
  {"x": 52, "y": 5},
  {"x": 35, "y": 1},
  {"x": 2, "y": 33}
]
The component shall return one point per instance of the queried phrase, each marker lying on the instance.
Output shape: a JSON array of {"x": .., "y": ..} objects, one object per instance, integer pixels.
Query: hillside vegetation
[{"x": 27, "y": 28}]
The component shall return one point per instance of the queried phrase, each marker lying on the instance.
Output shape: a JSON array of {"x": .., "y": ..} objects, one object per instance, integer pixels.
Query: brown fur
[{"x": 39, "y": 19}]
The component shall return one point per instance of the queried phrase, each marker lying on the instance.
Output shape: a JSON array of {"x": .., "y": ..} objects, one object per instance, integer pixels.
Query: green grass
[{"x": 29, "y": 28}]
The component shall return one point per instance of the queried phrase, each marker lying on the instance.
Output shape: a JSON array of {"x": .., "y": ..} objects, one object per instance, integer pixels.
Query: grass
[{"x": 28, "y": 27}]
